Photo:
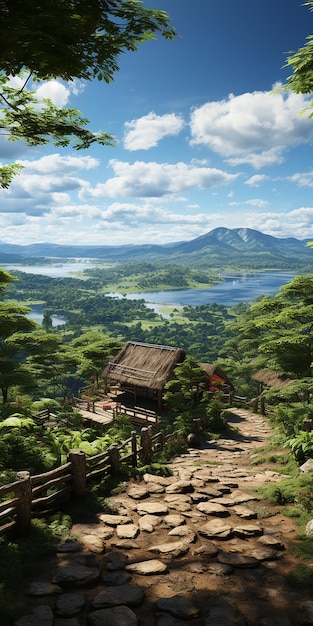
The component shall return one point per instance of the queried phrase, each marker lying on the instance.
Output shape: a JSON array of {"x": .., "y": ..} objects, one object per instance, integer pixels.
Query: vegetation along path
[{"x": 198, "y": 547}]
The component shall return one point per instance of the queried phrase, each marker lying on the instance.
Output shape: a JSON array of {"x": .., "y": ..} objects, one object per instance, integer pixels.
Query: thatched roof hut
[
  {"x": 216, "y": 376},
  {"x": 143, "y": 369},
  {"x": 267, "y": 378}
]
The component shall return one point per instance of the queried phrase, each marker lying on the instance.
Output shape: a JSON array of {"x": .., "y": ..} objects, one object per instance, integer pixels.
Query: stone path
[{"x": 199, "y": 547}]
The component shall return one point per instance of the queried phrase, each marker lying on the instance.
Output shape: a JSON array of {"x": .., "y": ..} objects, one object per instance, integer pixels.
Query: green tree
[
  {"x": 301, "y": 64},
  {"x": 182, "y": 391},
  {"x": 66, "y": 39},
  {"x": 94, "y": 350},
  {"x": 46, "y": 321}
]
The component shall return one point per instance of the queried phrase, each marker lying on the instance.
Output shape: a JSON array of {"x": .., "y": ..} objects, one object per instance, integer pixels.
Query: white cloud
[
  {"x": 257, "y": 202},
  {"x": 255, "y": 180},
  {"x": 302, "y": 179},
  {"x": 147, "y": 131},
  {"x": 152, "y": 179},
  {"x": 55, "y": 163},
  {"x": 252, "y": 128}
]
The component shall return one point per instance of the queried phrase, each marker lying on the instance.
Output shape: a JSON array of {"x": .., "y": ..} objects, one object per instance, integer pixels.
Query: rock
[
  {"x": 234, "y": 559},
  {"x": 160, "y": 480},
  {"x": 177, "y": 548},
  {"x": 115, "y": 561},
  {"x": 115, "y": 616},
  {"x": 65, "y": 621},
  {"x": 43, "y": 589},
  {"x": 138, "y": 492},
  {"x": 119, "y": 577},
  {"x": 174, "y": 520},
  {"x": 208, "y": 549},
  {"x": 216, "y": 529},
  {"x": 181, "y": 486},
  {"x": 127, "y": 531},
  {"x": 93, "y": 543},
  {"x": 309, "y": 528},
  {"x": 69, "y": 546},
  {"x": 223, "y": 614},
  {"x": 114, "y": 520},
  {"x": 147, "y": 568},
  {"x": 70, "y": 604},
  {"x": 178, "y": 502},
  {"x": 148, "y": 522},
  {"x": 178, "y": 606},
  {"x": 213, "y": 508},
  {"x": 128, "y": 595},
  {"x": 248, "y": 530},
  {"x": 219, "y": 569},
  {"x": 244, "y": 512},
  {"x": 183, "y": 531},
  {"x": 41, "y": 615},
  {"x": 152, "y": 508},
  {"x": 264, "y": 554},
  {"x": 307, "y": 466},
  {"x": 78, "y": 574},
  {"x": 271, "y": 541},
  {"x": 305, "y": 613}
]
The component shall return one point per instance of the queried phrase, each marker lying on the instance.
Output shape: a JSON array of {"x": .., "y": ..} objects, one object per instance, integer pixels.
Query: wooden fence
[{"x": 36, "y": 496}]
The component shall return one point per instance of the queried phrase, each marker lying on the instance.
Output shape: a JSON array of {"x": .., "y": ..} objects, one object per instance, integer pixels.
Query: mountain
[{"x": 221, "y": 247}]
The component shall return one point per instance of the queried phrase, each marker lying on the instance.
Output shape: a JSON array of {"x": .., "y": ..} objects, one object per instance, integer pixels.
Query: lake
[
  {"x": 234, "y": 289},
  {"x": 36, "y": 314},
  {"x": 58, "y": 270}
]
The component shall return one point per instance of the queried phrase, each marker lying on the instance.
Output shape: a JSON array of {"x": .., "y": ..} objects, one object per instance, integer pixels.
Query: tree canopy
[
  {"x": 301, "y": 64},
  {"x": 66, "y": 39}
]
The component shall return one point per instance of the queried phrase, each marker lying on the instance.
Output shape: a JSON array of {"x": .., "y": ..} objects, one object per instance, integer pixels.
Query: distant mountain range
[{"x": 221, "y": 247}]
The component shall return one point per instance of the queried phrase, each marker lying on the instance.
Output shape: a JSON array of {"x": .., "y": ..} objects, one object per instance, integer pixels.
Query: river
[{"x": 235, "y": 288}]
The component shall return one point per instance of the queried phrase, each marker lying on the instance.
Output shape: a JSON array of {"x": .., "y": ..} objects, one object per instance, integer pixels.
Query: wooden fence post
[
  {"x": 146, "y": 445},
  {"x": 114, "y": 456},
  {"x": 78, "y": 460},
  {"x": 24, "y": 505},
  {"x": 134, "y": 447}
]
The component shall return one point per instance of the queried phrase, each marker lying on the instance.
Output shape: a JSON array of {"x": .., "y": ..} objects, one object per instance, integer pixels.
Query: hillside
[{"x": 221, "y": 247}]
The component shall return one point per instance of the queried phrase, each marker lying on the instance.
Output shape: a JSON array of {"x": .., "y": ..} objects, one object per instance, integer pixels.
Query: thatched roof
[
  {"x": 272, "y": 379},
  {"x": 144, "y": 365},
  {"x": 211, "y": 369}
]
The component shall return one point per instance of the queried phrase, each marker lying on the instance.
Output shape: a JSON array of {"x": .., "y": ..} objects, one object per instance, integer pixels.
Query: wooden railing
[{"x": 36, "y": 496}]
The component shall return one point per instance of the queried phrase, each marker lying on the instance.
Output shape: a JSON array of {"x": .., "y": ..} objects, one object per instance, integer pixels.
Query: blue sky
[{"x": 204, "y": 138}]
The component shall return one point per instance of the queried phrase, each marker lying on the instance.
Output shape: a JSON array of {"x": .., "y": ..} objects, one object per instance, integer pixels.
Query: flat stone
[
  {"x": 223, "y": 614},
  {"x": 93, "y": 543},
  {"x": 208, "y": 549},
  {"x": 177, "y": 548},
  {"x": 152, "y": 508},
  {"x": 164, "y": 619},
  {"x": 138, "y": 492},
  {"x": 124, "y": 544},
  {"x": 272, "y": 542},
  {"x": 305, "y": 613},
  {"x": 128, "y": 595},
  {"x": 213, "y": 508},
  {"x": 40, "y": 616},
  {"x": 211, "y": 492},
  {"x": 43, "y": 589},
  {"x": 78, "y": 574},
  {"x": 66, "y": 621},
  {"x": 148, "y": 522},
  {"x": 183, "y": 531},
  {"x": 115, "y": 561},
  {"x": 219, "y": 569},
  {"x": 264, "y": 554},
  {"x": 118, "y": 577},
  {"x": 69, "y": 604},
  {"x": 174, "y": 520},
  {"x": 153, "y": 478},
  {"x": 115, "y": 616},
  {"x": 127, "y": 531},
  {"x": 181, "y": 486},
  {"x": 69, "y": 546},
  {"x": 178, "y": 606},
  {"x": 248, "y": 530},
  {"x": 114, "y": 520},
  {"x": 244, "y": 512},
  {"x": 237, "y": 498},
  {"x": 216, "y": 529},
  {"x": 147, "y": 568},
  {"x": 235, "y": 559},
  {"x": 155, "y": 488}
]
